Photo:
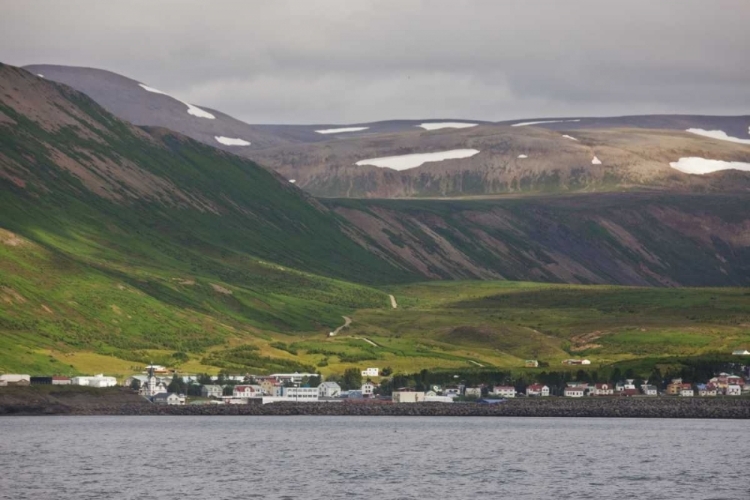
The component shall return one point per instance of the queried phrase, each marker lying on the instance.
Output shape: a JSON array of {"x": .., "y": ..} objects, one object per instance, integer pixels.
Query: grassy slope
[{"x": 152, "y": 272}]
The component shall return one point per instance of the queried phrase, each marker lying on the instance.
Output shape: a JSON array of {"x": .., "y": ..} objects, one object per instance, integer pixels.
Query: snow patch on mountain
[
  {"x": 405, "y": 162},
  {"x": 700, "y": 166},
  {"x": 718, "y": 134},
  {"x": 229, "y": 141},
  {"x": 596, "y": 161},
  {"x": 341, "y": 130},
  {"x": 570, "y": 137},
  {"x": 522, "y": 156},
  {"x": 192, "y": 110},
  {"x": 40, "y": 75},
  {"x": 439, "y": 125},
  {"x": 526, "y": 124}
]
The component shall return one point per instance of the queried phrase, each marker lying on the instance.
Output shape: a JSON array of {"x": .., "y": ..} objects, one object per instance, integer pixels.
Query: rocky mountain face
[
  {"x": 521, "y": 156},
  {"x": 646, "y": 239}
]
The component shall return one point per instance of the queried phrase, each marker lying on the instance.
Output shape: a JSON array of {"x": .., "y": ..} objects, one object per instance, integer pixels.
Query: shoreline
[{"x": 123, "y": 403}]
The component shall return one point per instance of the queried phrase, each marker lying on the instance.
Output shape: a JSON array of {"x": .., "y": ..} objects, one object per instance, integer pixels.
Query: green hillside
[{"x": 121, "y": 246}]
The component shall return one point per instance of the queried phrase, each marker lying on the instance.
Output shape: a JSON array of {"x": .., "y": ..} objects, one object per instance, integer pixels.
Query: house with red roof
[{"x": 537, "y": 390}]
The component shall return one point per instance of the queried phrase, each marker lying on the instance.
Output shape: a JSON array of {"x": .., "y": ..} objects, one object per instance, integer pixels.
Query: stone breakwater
[{"x": 664, "y": 407}]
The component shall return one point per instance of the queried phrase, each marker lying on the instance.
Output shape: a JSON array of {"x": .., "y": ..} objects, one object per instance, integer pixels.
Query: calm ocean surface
[{"x": 80, "y": 458}]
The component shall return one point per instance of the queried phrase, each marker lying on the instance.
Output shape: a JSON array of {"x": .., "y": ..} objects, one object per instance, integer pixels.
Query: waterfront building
[{"x": 537, "y": 390}]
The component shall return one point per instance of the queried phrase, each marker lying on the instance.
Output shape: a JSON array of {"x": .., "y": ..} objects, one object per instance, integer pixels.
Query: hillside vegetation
[{"x": 121, "y": 246}]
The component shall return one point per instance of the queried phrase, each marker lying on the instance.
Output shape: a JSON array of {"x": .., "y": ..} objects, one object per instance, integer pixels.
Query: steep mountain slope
[
  {"x": 635, "y": 239},
  {"x": 116, "y": 238},
  {"x": 141, "y": 104}
]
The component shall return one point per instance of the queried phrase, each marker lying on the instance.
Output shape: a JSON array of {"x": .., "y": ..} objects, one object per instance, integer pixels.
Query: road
[{"x": 347, "y": 322}]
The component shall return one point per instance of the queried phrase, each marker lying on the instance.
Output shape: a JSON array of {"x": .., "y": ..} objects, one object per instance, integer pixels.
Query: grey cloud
[{"x": 342, "y": 61}]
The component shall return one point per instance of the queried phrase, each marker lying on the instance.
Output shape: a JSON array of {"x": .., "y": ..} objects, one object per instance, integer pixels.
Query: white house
[
  {"x": 294, "y": 378},
  {"x": 14, "y": 379},
  {"x": 168, "y": 398},
  {"x": 371, "y": 372},
  {"x": 603, "y": 390},
  {"x": 506, "y": 391},
  {"x": 368, "y": 389},
  {"x": 649, "y": 390},
  {"x": 575, "y": 390},
  {"x": 686, "y": 391},
  {"x": 741, "y": 352},
  {"x": 247, "y": 391},
  {"x": 537, "y": 390},
  {"x": 212, "y": 391},
  {"x": 473, "y": 392},
  {"x": 300, "y": 393},
  {"x": 407, "y": 397},
  {"x": 96, "y": 381},
  {"x": 627, "y": 385},
  {"x": 705, "y": 390},
  {"x": 734, "y": 390},
  {"x": 451, "y": 392},
  {"x": 329, "y": 390}
]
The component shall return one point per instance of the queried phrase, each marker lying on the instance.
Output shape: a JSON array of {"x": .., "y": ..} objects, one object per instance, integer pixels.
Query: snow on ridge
[
  {"x": 522, "y": 156},
  {"x": 525, "y": 124},
  {"x": 700, "y": 166},
  {"x": 570, "y": 137},
  {"x": 596, "y": 161},
  {"x": 341, "y": 130},
  {"x": 718, "y": 134},
  {"x": 405, "y": 162},
  {"x": 42, "y": 76},
  {"x": 229, "y": 141},
  {"x": 439, "y": 125},
  {"x": 192, "y": 110},
  {"x": 293, "y": 181}
]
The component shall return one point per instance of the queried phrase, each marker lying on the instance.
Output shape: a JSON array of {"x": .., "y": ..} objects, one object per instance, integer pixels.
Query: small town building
[
  {"x": 407, "y": 397},
  {"x": 473, "y": 392},
  {"x": 40, "y": 380},
  {"x": 674, "y": 387},
  {"x": 300, "y": 393},
  {"x": 14, "y": 379},
  {"x": 451, "y": 391},
  {"x": 649, "y": 390},
  {"x": 537, "y": 390},
  {"x": 60, "y": 380},
  {"x": 741, "y": 352},
  {"x": 247, "y": 391},
  {"x": 624, "y": 385},
  {"x": 531, "y": 363},
  {"x": 734, "y": 390},
  {"x": 705, "y": 390},
  {"x": 294, "y": 378},
  {"x": 99, "y": 381},
  {"x": 686, "y": 391},
  {"x": 329, "y": 390},
  {"x": 368, "y": 389},
  {"x": 371, "y": 372},
  {"x": 212, "y": 391},
  {"x": 604, "y": 389},
  {"x": 506, "y": 391},
  {"x": 575, "y": 390},
  {"x": 168, "y": 398}
]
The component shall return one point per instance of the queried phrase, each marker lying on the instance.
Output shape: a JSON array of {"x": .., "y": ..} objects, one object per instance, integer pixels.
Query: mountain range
[{"x": 131, "y": 234}]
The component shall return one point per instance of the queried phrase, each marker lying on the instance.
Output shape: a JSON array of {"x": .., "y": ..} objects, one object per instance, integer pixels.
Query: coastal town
[{"x": 162, "y": 386}]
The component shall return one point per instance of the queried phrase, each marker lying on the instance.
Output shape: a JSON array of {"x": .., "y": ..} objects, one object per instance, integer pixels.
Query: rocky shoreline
[{"x": 662, "y": 407}]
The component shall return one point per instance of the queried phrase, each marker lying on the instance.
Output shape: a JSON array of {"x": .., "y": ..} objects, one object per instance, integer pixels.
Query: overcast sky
[{"x": 330, "y": 61}]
